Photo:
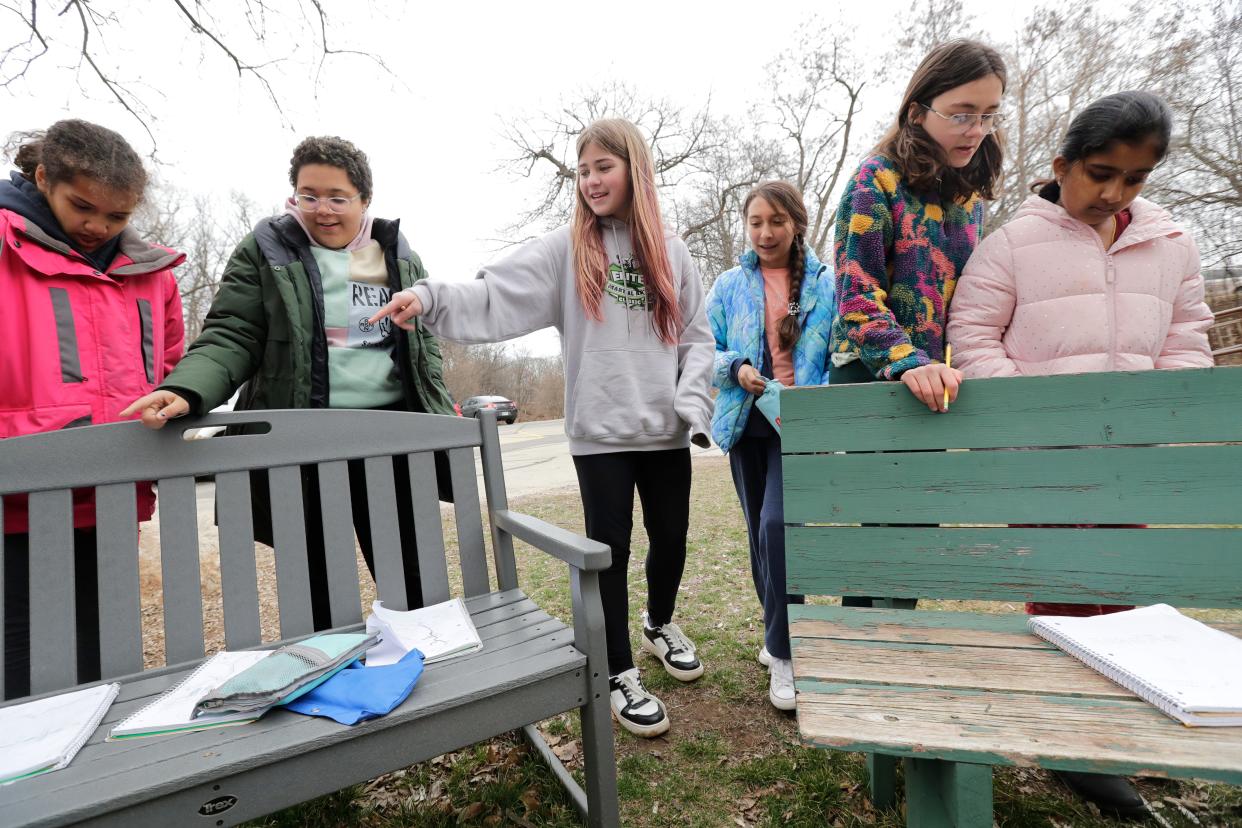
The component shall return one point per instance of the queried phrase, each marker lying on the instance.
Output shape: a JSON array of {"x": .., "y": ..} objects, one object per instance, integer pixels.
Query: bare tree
[
  {"x": 193, "y": 225},
  {"x": 252, "y": 38}
]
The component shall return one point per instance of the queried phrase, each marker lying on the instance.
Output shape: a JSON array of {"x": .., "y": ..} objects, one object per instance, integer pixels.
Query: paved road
[{"x": 536, "y": 457}]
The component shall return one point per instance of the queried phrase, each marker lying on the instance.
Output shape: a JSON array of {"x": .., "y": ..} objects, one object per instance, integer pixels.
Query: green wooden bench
[{"x": 952, "y": 694}]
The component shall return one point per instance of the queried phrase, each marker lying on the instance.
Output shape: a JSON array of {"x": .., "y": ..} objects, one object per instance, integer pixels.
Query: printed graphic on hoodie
[{"x": 626, "y": 285}]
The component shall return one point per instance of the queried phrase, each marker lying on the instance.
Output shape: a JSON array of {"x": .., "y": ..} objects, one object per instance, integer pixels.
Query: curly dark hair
[
  {"x": 334, "y": 152},
  {"x": 907, "y": 144},
  {"x": 73, "y": 147}
]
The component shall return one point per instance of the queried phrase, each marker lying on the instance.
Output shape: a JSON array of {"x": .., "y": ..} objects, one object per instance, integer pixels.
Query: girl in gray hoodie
[{"x": 627, "y": 300}]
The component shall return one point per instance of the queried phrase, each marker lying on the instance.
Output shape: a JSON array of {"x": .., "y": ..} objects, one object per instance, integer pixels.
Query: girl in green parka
[{"x": 289, "y": 327}]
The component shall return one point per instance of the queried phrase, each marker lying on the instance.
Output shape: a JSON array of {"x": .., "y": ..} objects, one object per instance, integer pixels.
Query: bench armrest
[{"x": 570, "y": 547}]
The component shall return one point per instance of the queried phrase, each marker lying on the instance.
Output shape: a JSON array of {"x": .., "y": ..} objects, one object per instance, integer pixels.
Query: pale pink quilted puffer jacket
[{"x": 1041, "y": 295}]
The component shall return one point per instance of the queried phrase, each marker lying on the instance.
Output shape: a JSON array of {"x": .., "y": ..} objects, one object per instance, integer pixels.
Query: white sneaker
[
  {"x": 637, "y": 710},
  {"x": 765, "y": 658},
  {"x": 781, "y": 684},
  {"x": 675, "y": 651}
]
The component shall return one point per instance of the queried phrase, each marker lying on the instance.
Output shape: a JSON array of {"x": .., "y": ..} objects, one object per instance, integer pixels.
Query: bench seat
[
  {"x": 979, "y": 688},
  {"x": 528, "y": 670}
]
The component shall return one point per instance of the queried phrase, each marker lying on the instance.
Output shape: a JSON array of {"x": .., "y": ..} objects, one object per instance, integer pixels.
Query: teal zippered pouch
[{"x": 286, "y": 673}]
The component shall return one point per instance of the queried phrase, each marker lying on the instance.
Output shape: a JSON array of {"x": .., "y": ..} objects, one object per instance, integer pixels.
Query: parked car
[{"x": 506, "y": 409}]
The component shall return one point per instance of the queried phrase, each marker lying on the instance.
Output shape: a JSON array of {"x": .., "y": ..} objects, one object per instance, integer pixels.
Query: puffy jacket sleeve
[
  {"x": 718, "y": 321},
  {"x": 1186, "y": 344},
  {"x": 228, "y": 351},
  {"x": 982, "y": 309},
  {"x": 695, "y": 347},
  {"x": 515, "y": 296},
  {"x": 864, "y": 235},
  {"x": 174, "y": 325}
]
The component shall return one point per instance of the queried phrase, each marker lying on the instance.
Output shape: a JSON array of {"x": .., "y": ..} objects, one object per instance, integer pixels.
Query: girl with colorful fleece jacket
[
  {"x": 910, "y": 218},
  {"x": 770, "y": 317}
]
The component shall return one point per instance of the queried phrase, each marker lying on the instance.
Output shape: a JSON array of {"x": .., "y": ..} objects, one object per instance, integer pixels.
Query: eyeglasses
[
  {"x": 966, "y": 121},
  {"x": 336, "y": 204}
]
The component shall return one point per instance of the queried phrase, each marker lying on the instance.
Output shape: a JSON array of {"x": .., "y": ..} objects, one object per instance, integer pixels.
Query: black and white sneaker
[
  {"x": 675, "y": 651},
  {"x": 637, "y": 710}
]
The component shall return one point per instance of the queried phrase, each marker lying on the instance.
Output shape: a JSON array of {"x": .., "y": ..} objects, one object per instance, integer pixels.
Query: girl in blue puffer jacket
[{"x": 771, "y": 317}]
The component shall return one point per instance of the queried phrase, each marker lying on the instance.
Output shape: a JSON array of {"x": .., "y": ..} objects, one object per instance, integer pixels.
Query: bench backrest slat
[
  {"x": 179, "y": 560},
  {"x": 469, "y": 526},
  {"x": 1135, "y": 408},
  {"x": 239, "y": 585},
  {"x": 428, "y": 528},
  {"x": 336, "y": 516},
  {"x": 880, "y": 498},
  {"x": 289, "y": 546},
  {"x": 282, "y": 452},
  {"x": 385, "y": 534},
  {"x": 116, "y": 538},
  {"x": 53, "y": 633}
]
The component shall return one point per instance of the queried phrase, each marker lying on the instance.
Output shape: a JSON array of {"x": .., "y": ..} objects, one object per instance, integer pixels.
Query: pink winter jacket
[
  {"x": 77, "y": 345},
  {"x": 1041, "y": 295}
]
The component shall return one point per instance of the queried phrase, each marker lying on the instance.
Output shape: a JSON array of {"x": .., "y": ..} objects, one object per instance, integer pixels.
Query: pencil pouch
[
  {"x": 769, "y": 403},
  {"x": 286, "y": 674}
]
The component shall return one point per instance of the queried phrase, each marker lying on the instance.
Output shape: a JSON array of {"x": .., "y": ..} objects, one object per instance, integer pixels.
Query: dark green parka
[{"x": 265, "y": 328}]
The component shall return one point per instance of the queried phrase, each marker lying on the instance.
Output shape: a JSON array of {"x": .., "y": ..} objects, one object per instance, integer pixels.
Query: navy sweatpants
[{"x": 755, "y": 461}]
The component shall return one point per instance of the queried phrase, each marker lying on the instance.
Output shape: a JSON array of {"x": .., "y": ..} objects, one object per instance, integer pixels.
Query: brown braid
[{"x": 788, "y": 329}]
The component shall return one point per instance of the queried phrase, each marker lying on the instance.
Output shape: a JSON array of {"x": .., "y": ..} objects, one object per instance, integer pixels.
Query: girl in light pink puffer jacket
[{"x": 1087, "y": 276}]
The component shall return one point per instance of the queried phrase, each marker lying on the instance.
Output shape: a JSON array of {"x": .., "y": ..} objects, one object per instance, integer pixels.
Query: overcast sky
[{"x": 434, "y": 131}]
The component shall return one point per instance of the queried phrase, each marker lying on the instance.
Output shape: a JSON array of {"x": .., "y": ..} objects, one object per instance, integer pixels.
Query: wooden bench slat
[
  {"x": 1111, "y": 566},
  {"x": 1157, "y": 484},
  {"x": 992, "y": 727},
  {"x": 381, "y": 493},
  {"x": 428, "y": 528},
  {"x": 469, "y": 522},
  {"x": 340, "y": 552},
  {"x": 289, "y": 546},
  {"x": 116, "y": 533},
  {"x": 239, "y": 585},
  {"x": 1136, "y": 408},
  {"x": 943, "y": 666},
  {"x": 962, "y": 629},
  {"x": 53, "y": 610},
  {"x": 179, "y": 561}
]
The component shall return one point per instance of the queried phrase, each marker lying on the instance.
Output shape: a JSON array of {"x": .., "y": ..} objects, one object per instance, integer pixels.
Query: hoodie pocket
[{"x": 624, "y": 394}]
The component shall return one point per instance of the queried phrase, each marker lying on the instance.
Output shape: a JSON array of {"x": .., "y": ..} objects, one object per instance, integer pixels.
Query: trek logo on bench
[{"x": 218, "y": 805}]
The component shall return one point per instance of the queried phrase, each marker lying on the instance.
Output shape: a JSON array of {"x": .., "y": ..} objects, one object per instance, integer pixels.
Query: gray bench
[
  {"x": 531, "y": 666},
  {"x": 881, "y": 500}
]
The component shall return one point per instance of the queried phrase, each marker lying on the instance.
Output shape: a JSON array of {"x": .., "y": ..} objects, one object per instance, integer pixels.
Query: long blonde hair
[{"x": 622, "y": 139}]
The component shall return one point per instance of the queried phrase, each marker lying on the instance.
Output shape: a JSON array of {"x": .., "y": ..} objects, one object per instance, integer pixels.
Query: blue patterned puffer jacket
[{"x": 735, "y": 313}]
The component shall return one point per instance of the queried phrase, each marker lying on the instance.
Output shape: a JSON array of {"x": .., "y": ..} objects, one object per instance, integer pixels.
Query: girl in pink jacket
[
  {"x": 90, "y": 317},
  {"x": 1087, "y": 276}
]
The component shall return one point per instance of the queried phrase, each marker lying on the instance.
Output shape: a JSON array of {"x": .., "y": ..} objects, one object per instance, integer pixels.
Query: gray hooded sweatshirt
[{"x": 625, "y": 389}]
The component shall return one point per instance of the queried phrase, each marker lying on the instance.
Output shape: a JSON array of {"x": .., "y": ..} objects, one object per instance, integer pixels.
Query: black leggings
[
  {"x": 17, "y": 610},
  {"x": 607, "y": 483}
]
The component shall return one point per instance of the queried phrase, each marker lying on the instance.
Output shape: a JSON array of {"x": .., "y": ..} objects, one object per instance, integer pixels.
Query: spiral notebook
[
  {"x": 173, "y": 711},
  {"x": 45, "y": 735},
  {"x": 1189, "y": 670}
]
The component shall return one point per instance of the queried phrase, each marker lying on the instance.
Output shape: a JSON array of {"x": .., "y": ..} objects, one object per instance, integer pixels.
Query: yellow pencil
[{"x": 948, "y": 363}]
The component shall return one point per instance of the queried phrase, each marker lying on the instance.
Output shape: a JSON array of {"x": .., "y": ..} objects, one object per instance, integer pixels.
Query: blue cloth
[
  {"x": 359, "y": 693},
  {"x": 735, "y": 314}
]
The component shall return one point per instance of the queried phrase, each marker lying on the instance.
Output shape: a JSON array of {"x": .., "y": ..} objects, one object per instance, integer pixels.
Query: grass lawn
[{"x": 730, "y": 758}]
